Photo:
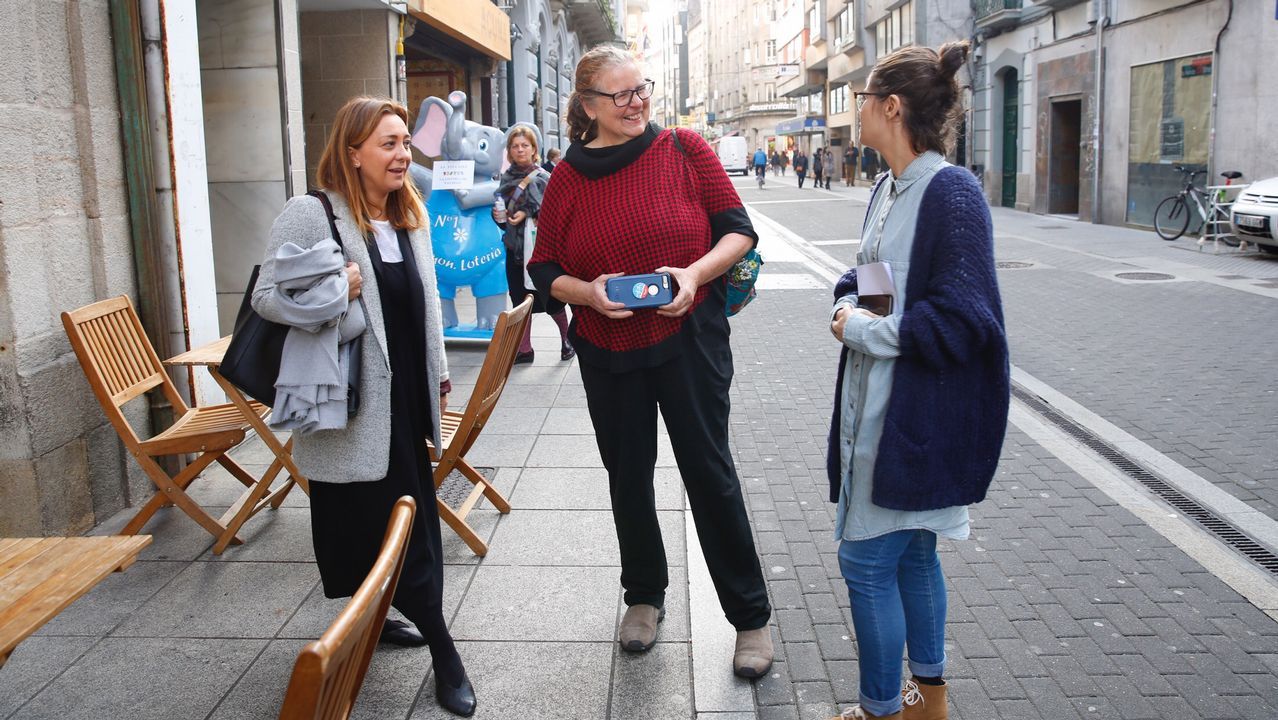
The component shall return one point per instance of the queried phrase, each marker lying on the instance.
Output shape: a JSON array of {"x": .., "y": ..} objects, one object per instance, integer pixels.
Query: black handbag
[{"x": 252, "y": 360}]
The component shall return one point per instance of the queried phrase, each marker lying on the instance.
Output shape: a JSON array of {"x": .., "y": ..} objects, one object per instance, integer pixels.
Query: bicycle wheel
[{"x": 1171, "y": 218}]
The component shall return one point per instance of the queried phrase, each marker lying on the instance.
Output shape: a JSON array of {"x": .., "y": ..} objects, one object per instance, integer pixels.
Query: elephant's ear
[{"x": 432, "y": 123}]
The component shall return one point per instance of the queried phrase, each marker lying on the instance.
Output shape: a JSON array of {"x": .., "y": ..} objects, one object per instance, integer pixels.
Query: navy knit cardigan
[{"x": 951, "y": 384}]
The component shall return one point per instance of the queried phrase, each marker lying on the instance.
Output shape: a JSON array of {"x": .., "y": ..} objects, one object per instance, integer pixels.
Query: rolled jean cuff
[
  {"x": 928, "y": 670},
  {"x": 882, "y": 708}
]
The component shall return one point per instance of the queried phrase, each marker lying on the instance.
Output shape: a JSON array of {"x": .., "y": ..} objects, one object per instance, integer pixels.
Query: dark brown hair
[
  {"x": 600, "y": 58},
  {"x": 924, "y": 80},
  {"x": 355, "y": 121}
]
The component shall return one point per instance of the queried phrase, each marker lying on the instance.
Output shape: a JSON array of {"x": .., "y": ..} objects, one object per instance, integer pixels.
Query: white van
[{"x": 734, "y": 155}]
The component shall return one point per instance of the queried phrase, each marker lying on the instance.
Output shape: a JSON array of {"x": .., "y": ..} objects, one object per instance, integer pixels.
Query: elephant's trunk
[{"x": 455, "y": 136}]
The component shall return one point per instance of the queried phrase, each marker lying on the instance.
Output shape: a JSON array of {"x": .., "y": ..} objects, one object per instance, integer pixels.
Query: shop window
[{"x": 1169, "y": 121}]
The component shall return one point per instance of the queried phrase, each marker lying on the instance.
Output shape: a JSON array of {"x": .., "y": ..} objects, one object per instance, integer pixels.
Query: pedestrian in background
[
  {"x": 632, "y": 198},
  {"x": 523, "y": 185},
  {"x": 785, "y": 160},
  {"x": 357, "y": 472},
  {"x": 869, "y": 161},
  {"x": 552, "y": 159},
  {"x": 776, "y": 162},
  {"x": 800, "y": 165},
  {"x": 818, "y": 167},
  {"x": 849, "y": 165},
  {"x": 923, "y": 385},
  {"x": 829, "y": 166}
]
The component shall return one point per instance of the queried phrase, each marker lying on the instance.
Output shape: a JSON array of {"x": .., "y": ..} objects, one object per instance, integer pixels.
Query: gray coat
[{"x": 360, "y": 452}]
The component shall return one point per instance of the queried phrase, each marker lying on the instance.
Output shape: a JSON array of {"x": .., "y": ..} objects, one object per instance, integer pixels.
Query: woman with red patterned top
[{"x": 631, "y": 198}]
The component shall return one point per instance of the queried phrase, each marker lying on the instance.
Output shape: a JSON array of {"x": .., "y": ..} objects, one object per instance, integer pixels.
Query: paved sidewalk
[{"x": 1064, "y": 604}]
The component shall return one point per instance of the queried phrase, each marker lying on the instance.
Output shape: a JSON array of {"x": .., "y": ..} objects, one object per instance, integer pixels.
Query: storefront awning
[
  {"x": 476, "y": 23},
  {"x": 802, "y": 125}
]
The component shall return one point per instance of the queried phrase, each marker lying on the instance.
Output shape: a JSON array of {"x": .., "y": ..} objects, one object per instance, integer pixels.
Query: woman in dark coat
[
  {"x": 922, "y": 401},
  {"x": 523, "y": 185}
]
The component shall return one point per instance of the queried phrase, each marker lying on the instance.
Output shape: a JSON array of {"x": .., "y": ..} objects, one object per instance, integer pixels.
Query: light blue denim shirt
[{"x": 874, "y": 345}]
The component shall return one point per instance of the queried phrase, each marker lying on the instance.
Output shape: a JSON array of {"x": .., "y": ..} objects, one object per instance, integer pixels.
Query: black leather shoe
[
  {"x": 524, "y": 358},
  {"x": 566, "y": 352},
  {"x": 397, "y": 632},
  {"x": 456, "y": 700}
]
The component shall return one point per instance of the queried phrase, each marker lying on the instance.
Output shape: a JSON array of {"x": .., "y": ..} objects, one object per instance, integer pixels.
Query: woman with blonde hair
[
  {"x": 632, "y": 198},
  {"x": 523, "y": 185},
  {"x": 359, "y": 469},
  {"x": 923, "y": 384}
]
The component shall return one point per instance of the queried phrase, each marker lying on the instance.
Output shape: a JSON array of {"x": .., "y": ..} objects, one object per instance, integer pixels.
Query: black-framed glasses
[
  {"x": 622, "y": 99},
  {"x": 862, "y": 95}
]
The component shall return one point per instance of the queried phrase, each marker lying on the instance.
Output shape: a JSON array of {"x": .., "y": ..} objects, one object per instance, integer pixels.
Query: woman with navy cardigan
[{"x": 922, "y": 398}]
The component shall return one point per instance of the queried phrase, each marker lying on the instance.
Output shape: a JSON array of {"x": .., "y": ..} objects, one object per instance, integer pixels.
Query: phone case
[{"x": 641, "y": 291}]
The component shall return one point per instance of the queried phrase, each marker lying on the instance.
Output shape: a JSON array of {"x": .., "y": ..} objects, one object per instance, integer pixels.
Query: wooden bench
[{"x": 40, "y": 577}]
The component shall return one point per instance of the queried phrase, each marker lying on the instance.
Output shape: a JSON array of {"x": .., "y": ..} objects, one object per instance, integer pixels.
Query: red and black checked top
[{"x": 631, "y": 209}]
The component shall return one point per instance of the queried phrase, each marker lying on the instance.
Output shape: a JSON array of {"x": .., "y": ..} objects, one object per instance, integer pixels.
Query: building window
[
  {"x": 845, "y": 27},
  {"x": 1169, "y": 124},
  {"x": 771, "y": 48},
  {"x": 895, "y": 30},
  {"x": 838, "y": 99},
  {"x": 816, "y": 22}
]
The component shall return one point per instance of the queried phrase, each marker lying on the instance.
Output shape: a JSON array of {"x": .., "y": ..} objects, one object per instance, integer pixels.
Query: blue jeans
[{"x": 898, "y": 596}]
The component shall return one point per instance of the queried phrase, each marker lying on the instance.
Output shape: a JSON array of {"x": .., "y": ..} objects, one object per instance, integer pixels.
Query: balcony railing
[
  {"x": 989, "y": 7},
  {"x": 996, "y": 14}
]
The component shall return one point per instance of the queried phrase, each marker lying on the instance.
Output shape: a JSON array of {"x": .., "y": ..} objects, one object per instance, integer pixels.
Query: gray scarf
[{"x": 311, "y": 287}]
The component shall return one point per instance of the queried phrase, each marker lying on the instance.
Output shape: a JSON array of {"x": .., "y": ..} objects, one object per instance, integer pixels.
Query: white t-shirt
[{"x": 387, "y": 241}]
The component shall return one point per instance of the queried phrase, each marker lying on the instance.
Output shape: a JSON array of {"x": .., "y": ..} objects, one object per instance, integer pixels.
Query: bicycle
[{"x": 1171, "y": 217}]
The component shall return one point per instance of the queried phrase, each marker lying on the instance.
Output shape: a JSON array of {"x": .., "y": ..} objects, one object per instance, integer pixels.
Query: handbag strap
[
  {"x": 337, "y": 237},
  {"x": 332, "y": 219}
]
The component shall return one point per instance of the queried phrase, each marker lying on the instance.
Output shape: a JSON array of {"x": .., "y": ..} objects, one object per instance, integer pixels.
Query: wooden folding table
[{"x": 40, "y": 577}]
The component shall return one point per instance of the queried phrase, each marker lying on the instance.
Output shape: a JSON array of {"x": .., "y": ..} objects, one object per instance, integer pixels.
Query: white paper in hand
[{"x": 875, "y": 290}]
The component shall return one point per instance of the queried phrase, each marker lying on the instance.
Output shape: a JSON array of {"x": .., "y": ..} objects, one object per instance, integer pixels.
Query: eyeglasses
[
  {"x": 622, "y": 99},
  {"x": 862, "y": 95}
]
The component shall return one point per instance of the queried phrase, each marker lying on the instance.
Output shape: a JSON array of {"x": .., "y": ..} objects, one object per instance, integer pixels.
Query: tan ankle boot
[
  {"x": 753, "y": 655},
  {"x": 638, "y": 631},
  {"x": 856, "y": 712},
  {"x": 925, "y": 702}
]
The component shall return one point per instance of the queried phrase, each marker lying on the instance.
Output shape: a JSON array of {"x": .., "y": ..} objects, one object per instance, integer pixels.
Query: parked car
[
  {"x": 733, "y": 155},
  {"x": 1254, "y": 216}
]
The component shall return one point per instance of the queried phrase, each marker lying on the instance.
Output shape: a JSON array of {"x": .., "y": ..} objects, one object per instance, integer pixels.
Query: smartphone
[{"x": 641, "y": 291}]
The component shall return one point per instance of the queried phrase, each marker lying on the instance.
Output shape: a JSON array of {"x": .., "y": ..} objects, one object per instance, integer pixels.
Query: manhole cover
[
  {"x": 1144, "y": 276},
  {"x": 1012, "y": 265}
]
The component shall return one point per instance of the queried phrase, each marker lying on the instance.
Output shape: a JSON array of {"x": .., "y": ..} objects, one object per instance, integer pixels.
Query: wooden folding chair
[
  {"x": 329, "y": 671},
  {"x": 120, "y": 364},
  {"x": 462, "y": 429}
]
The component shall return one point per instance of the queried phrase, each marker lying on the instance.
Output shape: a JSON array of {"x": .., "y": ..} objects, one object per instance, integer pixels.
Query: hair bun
[{"x": 953, "y": 55}]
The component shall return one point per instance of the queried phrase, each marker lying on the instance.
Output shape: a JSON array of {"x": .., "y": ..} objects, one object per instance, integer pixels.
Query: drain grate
[
  {"x": 1050, "y": 227},
  {"x": 1186, "y": 506},
  {"x": 456, "y": 488},
  {"x": 1144, "y": 276},
  {"x": 1012, "y": 265}
]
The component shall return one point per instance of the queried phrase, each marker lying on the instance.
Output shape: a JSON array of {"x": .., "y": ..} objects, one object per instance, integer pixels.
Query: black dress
[{"x": 348, "y": 520}]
